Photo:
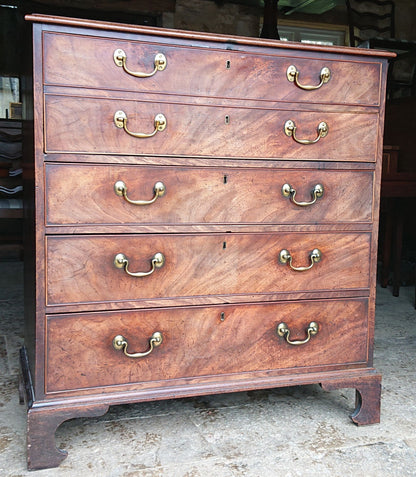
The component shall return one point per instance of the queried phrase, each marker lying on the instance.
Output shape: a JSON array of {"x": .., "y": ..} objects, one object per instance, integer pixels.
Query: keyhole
[
  {"x": 225, "y": 179},
  {"x": 222, "y": 316},
  {"x": 227, "y": 119},
  {"x": 224, "y": 245},
  {"x": 228, "y": 64}
]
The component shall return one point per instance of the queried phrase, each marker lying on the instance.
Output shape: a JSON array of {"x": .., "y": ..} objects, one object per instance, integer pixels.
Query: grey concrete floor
[{"x": 299, "y": 431}]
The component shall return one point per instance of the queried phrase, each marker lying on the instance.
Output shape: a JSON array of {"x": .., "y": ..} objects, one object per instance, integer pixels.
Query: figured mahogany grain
[
  {"x": 80, "y": 268},
  {"x": 84, "y": 194},
  {"x": 88, "y": 62},
  {"x": 86, "y": 125},
  {"x": 221, "y": 225},
  {"x": 200, "y": 341}
]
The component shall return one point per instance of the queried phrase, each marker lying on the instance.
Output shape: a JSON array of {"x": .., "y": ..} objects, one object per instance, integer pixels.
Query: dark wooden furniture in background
[
  {"x": 399, "y": 130},
  {"x": 255, "y": 256},
  {"x": 372, "y": 25},
  {"x": 11, "y": 203},
  {"x": 370, "y": 21},
  {"x": 396, "y": 188},
  {"x": 398, "y": 183},
  {"x": 269, "y": 29}
]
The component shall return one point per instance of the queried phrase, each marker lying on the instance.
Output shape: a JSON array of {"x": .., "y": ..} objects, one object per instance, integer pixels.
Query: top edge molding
[{"x": 202, "y": 36}]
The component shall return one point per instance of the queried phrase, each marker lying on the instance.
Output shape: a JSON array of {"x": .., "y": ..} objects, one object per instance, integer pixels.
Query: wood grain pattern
[
  {"x": 118, "y": 30},
  {"x": 85, "y": 195},
  {"x": 367, "y": 400},
  {"x": 42, "y": 425},
  {"x": 197, "y": 342},
  {"x": 74, "y": 60},
  {"x": 78, "y": 125},
  {"x": 81, "y": 269},
  {"x": 221, "y": 224}
]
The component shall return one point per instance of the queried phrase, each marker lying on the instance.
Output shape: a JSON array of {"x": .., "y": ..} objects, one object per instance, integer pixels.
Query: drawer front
[
  {"x": 85, "y": 194},
  {"x": 80, "y": 269},
  {"x": 202, "y": 341},
  {"x": 86, "y": 125},
  {"x": 73, "y": 60}
]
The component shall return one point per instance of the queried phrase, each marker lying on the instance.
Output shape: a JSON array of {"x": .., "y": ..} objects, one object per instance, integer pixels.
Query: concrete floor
[{"x": 300, "y": 431}]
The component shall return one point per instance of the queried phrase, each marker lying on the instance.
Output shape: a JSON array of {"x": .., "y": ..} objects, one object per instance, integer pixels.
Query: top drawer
[{"x": 75, "y": 60}]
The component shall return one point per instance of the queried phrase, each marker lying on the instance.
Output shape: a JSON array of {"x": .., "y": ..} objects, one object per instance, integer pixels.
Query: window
[
  {"x": 10, "y": 97},
  {"x": 312, "y": 35}
]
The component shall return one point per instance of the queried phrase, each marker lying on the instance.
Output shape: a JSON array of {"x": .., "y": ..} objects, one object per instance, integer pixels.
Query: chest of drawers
[{"x": 203, "y": 216}]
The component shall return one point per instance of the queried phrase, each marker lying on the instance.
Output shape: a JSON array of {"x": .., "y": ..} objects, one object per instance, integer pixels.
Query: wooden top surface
[{"x": 145, "y": 30}]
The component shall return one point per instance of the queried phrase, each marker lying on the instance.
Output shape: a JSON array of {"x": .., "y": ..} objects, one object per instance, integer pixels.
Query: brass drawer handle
[
  {"x": 121, "y": 261},
  {"x": 120, "y": 189},
  {"x": 290, "y": 130},
  {"x": 120, "y": 343},
  {"x": 285, "y": 257},
  {"x": 283, "y": 331},
  {"x": 292, "y": 74},
  {"x": 317, "y": 192},
  {"x": 120, "y": 59},
  {"x": 120, "y": 120}
]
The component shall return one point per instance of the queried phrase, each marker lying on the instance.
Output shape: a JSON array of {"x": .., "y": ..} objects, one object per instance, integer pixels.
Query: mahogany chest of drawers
[{"x": 203, "y": 213}]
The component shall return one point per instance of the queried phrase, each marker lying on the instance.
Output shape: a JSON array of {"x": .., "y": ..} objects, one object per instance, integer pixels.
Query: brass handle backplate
[
  {"x": 120, "y": 59},
  {"x": 290, "y": 130},
  {"x": 283, "y": 331},
  {"x": 120, "y": 343},
  {"x": 120, "y": 120},
  {"x": 292, "y": 74},
  {"x": 121, "y": 261},
  {"x": 289, "y": 191},
  {"x": 120, "y": 189},
  {"x": 286, "y": 257}
]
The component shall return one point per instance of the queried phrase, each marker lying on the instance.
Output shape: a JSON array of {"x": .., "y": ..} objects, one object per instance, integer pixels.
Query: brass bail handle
[
  {"x": 120, "y": 120},
  {"x": 292, "y": 74},
  {"x": 290, "y": 130},
  {"x": 120, "y": 343},
  {"x": 121, "y": 261},
  {"x": 120, "y": 59},
  {"x": 317, "y": 192},
  {"x": 286, "y": 257},
  {"x": 283, "y": 331},
  {"x": 120, "y": 189}
]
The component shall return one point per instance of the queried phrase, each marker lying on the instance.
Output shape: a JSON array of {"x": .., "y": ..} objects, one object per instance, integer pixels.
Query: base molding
[
  {"x": 44, "y": 417},
  {"x": 367, "y": 397}
]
